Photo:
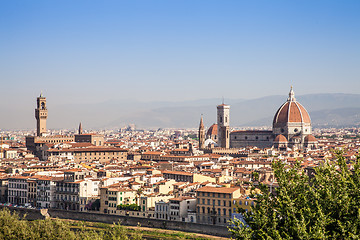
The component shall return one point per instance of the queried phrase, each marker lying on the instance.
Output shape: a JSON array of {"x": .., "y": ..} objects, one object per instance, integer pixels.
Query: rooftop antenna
[{"x": 223, "y": 101}]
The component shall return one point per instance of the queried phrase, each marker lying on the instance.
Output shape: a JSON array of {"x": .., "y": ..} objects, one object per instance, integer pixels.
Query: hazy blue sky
[{"x": 94, "y": 51}]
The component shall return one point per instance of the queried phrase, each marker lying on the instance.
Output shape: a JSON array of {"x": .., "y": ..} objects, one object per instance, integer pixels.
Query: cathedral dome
[
  {"x": 280, "y": 139},
  {"x": 212, "y": 130},
  {"x": 291, "y": 112},
  {"x": 310, "y": 138}
]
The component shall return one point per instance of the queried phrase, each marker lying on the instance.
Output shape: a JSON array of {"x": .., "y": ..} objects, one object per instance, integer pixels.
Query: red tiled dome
[
  {"x": 280, "y": 138},
  {"x": 291, "y": 111},
  {"x": 310, "y": 138},
  {"x": 213, "y": 130}
]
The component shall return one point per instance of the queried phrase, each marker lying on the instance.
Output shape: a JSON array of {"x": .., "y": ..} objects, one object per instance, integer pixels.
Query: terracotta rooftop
[{"x": 217, "y": 189}]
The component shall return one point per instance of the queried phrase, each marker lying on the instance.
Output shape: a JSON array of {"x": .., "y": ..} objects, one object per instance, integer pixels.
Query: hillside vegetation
[{"x": 12, "y": 226}]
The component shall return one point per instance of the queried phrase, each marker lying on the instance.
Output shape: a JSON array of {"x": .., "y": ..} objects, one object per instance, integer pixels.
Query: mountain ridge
[{"x": 326, "y": 109}]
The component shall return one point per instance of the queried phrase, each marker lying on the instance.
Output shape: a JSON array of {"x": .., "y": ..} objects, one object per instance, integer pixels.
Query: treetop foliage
[
  {"x": 324, "y": 206},
  {"x": 14, "y": 227}
]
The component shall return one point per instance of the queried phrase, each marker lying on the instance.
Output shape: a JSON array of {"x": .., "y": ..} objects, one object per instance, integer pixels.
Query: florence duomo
[{"x": 291, "y": 129}]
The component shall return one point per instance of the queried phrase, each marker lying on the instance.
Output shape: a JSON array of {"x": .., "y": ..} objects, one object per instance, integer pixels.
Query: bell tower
[
  {"x": 223, "y": 119},
  {"x": 201, "y": 134},
  {"x": 41, "y": 114}
]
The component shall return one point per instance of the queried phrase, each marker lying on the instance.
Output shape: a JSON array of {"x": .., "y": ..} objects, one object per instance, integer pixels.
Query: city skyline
[
  {"x": 90, "y": 51},
  {"x": 221, "y": 118}
]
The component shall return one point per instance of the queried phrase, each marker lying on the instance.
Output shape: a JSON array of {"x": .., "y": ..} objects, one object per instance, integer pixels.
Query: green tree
[
  {"x": 14, "y": 227},
  {"x": 326, "y": 206}
]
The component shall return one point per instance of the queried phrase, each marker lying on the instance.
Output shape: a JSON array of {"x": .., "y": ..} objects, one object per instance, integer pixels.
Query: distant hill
[
  {"x": 324, "y": 109},
  {"x": 333, "y": 110}
]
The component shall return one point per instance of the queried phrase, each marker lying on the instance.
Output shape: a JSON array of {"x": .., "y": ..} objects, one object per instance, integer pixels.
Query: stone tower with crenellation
[{"x": 41, "y": 114}]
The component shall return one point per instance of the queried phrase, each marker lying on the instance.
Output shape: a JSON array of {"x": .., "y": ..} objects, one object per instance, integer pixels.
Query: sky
[{"x": 88, "y": 51}]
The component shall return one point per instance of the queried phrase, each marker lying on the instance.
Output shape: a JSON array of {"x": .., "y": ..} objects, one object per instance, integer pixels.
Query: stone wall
[
  {"x": 34, "y": 214},
  {"x": 30, "y": 214},
  {"x": 144, "y": 222}
]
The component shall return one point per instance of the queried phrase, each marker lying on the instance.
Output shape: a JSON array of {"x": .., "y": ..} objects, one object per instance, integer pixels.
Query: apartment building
[
  {"x": 242, "y": 202},
  {"x": 3, "y": 189},
  {"x": 180, "y": 207},
  {"x": 112, "y": 196},
  {"x": 75, "y": 191},
  {"x": 46, "y": 191},
  {"x": 164, "y": 186},
  {"x": 18, "y": 190},
  {"x": 32, "y": 189},
  {"x": 214, "y": 205},
  {"x": 179, "y": 176},
  {"x": 88, "y": 154},
  {"x": 162, "y": 210}
]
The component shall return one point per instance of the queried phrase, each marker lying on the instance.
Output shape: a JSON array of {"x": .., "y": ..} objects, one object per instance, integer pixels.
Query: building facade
[{"x": 214, "y": 205}]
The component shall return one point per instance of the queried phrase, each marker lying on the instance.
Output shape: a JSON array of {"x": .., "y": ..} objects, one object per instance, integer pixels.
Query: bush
[{"x": 129, "y": 207}]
